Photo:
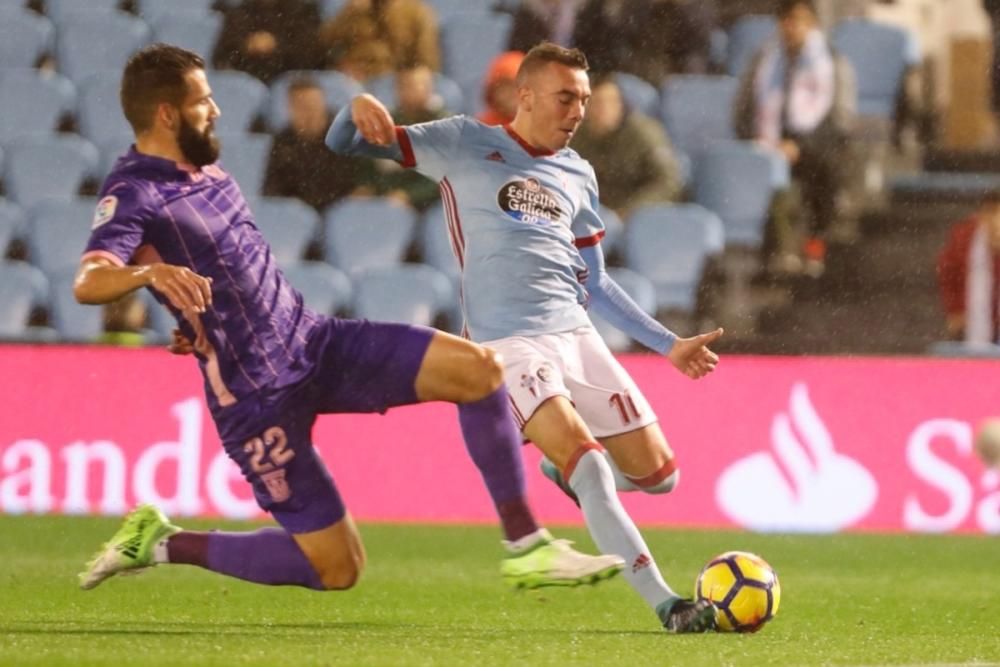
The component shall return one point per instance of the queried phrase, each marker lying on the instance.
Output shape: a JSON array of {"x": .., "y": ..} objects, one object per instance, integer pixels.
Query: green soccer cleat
[
  {"x": 550, "y": 470},
  {"x": 554, "y": 563},
  {"x": 131, "y": 548}
]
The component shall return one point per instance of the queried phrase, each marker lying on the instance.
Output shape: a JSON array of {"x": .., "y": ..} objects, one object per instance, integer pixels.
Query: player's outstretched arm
[
  {"x": 100, "y": 281},
  {"x": 365, "y": 127}
]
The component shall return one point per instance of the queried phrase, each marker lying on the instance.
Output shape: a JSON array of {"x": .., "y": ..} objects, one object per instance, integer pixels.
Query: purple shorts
[{"x": 358, "y": 367}]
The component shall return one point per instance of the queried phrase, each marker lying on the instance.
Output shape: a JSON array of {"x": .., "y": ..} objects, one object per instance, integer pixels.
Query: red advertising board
[{"x": 767, "y": 443}]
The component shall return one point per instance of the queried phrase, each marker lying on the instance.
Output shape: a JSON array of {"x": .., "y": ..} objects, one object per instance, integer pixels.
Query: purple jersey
[{"x": 254, "y": 334}]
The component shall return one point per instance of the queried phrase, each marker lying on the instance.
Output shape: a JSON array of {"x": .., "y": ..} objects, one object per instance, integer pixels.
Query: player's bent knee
[
  {"x": 486, "y": 374},
  {"x": 666, "y": 485},
  {"x": 341, "y": 575}
]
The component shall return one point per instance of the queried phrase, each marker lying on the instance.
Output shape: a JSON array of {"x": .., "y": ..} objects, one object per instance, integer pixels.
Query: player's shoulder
[{"x": 576, "y": 164}]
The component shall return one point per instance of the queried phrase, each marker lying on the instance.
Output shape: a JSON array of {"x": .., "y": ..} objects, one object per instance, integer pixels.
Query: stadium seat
[
  {"x": 697, "y": 111},
  {"x": 638, "y": 94},
  {"x": 448, "y": 93},
  {"x": 288, "y": 225},
  {"x": 12, "y": 224},
  {"x": 961, "y": 349},
  {"x": 445, "y": 9},
  {"x": 192, "y": 30},
  {"x": 339, "y": 89},
  {"x": 245, "y": 157},
  {"x": 642, "y": 292},
  {"x": 737, "y": 180},
  {"x": 879, "y": 54},
  {"x": 668, "y": 244},
  {"x": 24, "y": 38},
  {"x": 746, "y": 37},
  {"x": 33, "y": 102},
  {"x": 57, "y": 234},
  {"x": 73, "y": 322},
  {"x": 469, "y": 42},
  {"x": 152, "y": 11},
  {"x": 22, "y": 288},
  {"x": 60, "y": 10},
  {"x": 98, "y": 112},
  {"x": 111, "y": 149},
  {"x": 410, "y": 293},
  {"x": 241, "y": 98},
  {"x": 327, "y": 8},
  {"x": 363, "y": 233},
  {"x": 96, "y": 41},
  {"x": 324, "y": 289},
  {"x": 38, "y": 168}
]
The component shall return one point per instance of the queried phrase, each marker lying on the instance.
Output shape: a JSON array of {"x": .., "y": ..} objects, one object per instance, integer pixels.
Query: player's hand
[
  {"x": 180, "y": 344},
  {"x": 373, "y": 120},
  {"x": 692, "y": 357},
  {"x": 186, "y": 290}
]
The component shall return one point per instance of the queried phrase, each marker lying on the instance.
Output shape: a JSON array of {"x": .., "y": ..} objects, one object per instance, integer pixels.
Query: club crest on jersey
[
  {"x": 105, "y": 211},
  {"x": 529, "y": 201}
]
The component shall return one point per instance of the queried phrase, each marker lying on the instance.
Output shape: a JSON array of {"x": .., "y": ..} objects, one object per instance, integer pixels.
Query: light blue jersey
[{"x": 518, "y": 219}]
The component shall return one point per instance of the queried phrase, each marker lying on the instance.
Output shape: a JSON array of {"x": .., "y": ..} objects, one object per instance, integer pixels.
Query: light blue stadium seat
[
  {"x": 328, "y": 8},
  {"x": 95, "y": 41},
  {"x": 191, "y": 30},
  {"x": 364, "y": 233},
  {"x": 241, "y": 98},
  {"x": 60, "y": 10},
  {"x": 288, "y": 225},
  {"x": 445, "y": 9},
  {"x": 98, "y": 112},
  {"x": 961, "y": 349},
  {"x": 22, "y": 288},
  {"x": 33, "y": 102},
  {"x": 879, "y": 54},
  {"x": 746, "y": 37},
  {"x": 410, "y": 293},
  {"x": 697, "y": 111},
  {"x": 642, "y": 291},
  {"x": 245, "y": 156},
  {"x": 324, "y": 289},
  {"x": 12, "y": 224},
  {"x": 638, "y": 94},
  {"x": 469, "y": 42},
  {"x": 669, "y": 245},
  {"x": 718, "y": 45},
  {"x": 24, "y": 38},
  {"x": 448, "y": 94},
  {"x": 153, "y": 10},
  {"x": 73, "y": 322},
  {"x": 54, "y": 166},
  {"x": 737, "y": 180},
  {"x": 58, "y": 232},
  {"x": 338, "y": 88},
  {"x": 111, "y": 149}
]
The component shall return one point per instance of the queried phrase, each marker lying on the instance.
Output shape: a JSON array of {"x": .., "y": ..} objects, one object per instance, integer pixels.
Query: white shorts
[{"x": 576, "y": 364}]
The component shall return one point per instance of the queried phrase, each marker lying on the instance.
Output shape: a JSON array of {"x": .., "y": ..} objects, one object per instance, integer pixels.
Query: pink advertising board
[{"x": 767, "y": 443}]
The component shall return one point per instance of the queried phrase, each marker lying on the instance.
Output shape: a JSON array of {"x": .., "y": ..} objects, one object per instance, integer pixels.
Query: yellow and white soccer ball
[
  {"x": 988, "y": 442},
  {"x": 743, "y": 587}
]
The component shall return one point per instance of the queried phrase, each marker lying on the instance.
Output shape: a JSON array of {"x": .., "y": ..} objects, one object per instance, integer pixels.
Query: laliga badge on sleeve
[{"x": 105, "y": 211}]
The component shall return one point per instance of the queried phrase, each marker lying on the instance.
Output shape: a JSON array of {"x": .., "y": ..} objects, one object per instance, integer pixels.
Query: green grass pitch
[{"x": 432, "y": 596}]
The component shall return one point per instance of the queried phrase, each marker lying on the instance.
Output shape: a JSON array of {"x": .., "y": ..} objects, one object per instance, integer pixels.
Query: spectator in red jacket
[{"x": 969, "y": 275}]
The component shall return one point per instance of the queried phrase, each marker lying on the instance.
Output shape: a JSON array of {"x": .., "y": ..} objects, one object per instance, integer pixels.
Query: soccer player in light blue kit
[{"x": 521, "y": 209}]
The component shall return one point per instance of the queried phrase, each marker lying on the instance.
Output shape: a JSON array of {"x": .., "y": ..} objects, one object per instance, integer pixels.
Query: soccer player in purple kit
[{"x": 172, "y": 220}]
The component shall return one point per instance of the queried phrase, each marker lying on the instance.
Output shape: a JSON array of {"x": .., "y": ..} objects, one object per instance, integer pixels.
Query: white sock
[
  {"x": 525, "y": 543},
  {"x": 613, "y": 530},
  {"x": 160, "y": 551},
  {"x": 622, "y": 483}
]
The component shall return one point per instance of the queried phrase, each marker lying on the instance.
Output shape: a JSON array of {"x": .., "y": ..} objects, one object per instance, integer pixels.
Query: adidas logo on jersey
[{"x": 495, "y": 157}]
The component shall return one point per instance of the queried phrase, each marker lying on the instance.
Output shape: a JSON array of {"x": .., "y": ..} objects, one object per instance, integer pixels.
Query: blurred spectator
[
  {"x": 416, "y": 103},
  {"x": 124, "y": 321},
  {"x": 798, "y": 97},
  {"x": 969, "y": 275},
  {"x": 537, "y": 21},
  {"x": 731, "y": 11},
  {"x": 368, "y": 38},
  {"x": 267, "y": 37},
  {"x": 630, "y": 153},
  {"x": 685, "y": 29},
  {"x": 992, "y": 8},
  {"x": 500, "y": 89},
  {"x": 300, "y": 164}
]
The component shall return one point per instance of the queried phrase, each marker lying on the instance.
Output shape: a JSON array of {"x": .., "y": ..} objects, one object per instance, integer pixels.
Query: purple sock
[
  {"x": 494, "y": 444},
  {"x": 267, "y": 556}
]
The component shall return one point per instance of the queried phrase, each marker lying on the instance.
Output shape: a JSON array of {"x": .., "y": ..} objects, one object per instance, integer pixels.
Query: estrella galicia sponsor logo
[{"x": 530, "y": 202}]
